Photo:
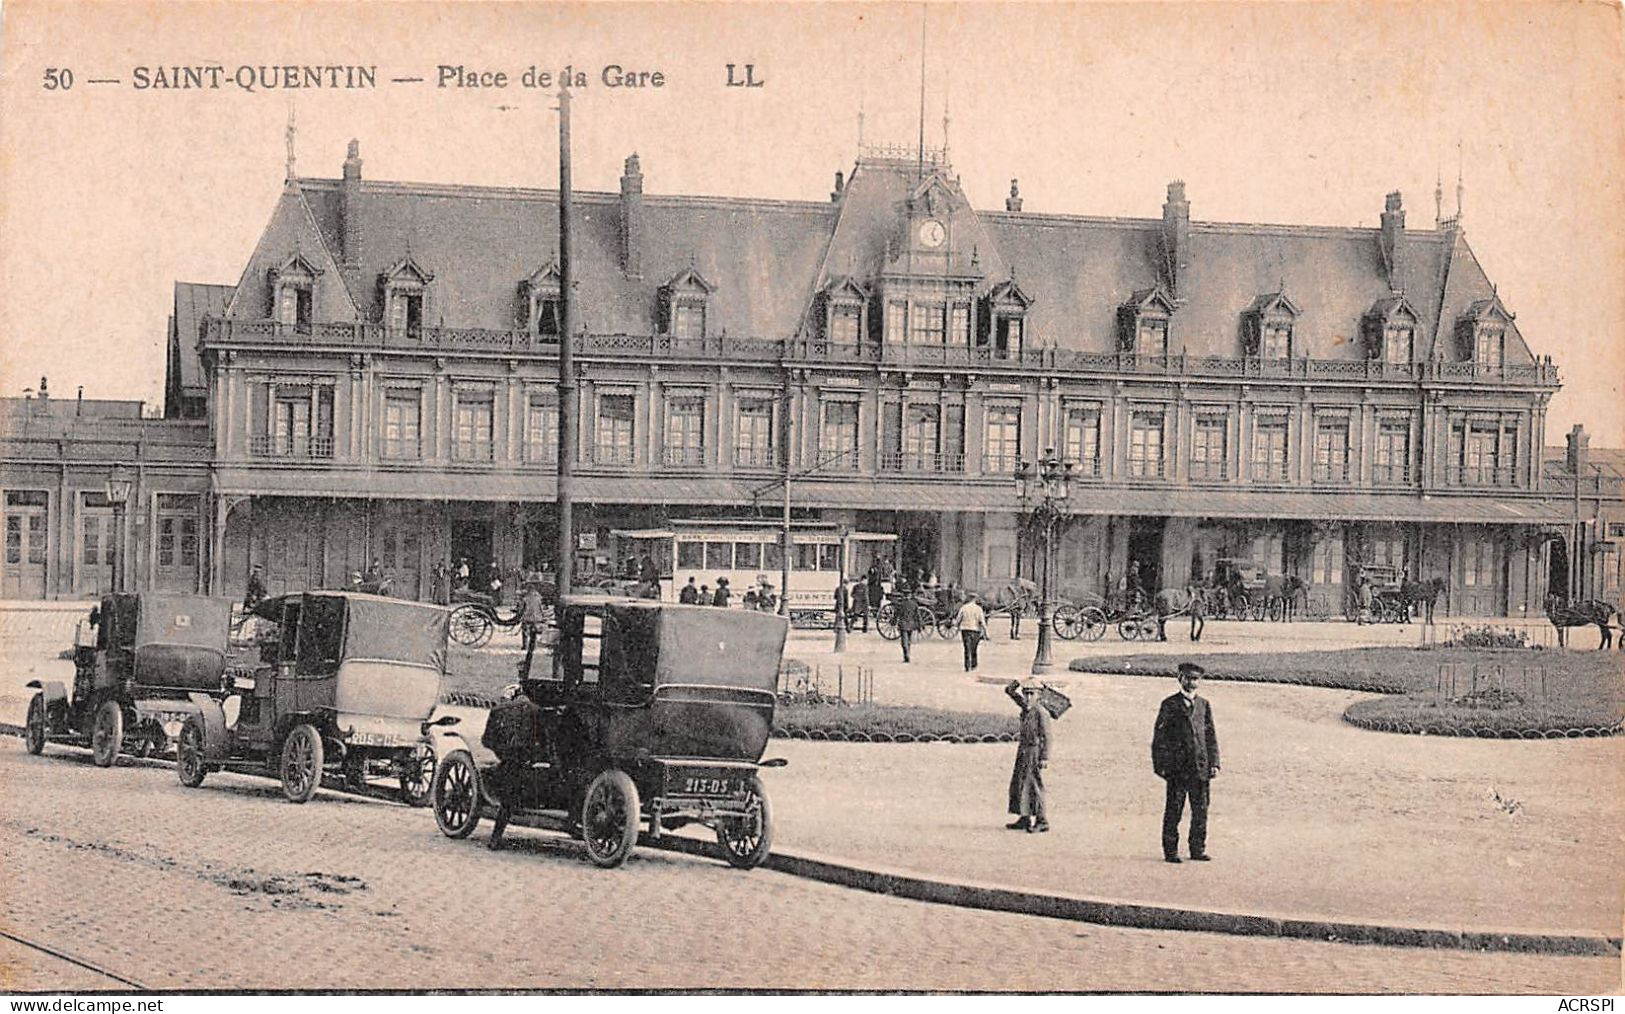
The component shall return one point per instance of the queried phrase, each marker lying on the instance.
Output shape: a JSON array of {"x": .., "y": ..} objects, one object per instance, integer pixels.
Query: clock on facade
[{"x": 932, "y": 233}]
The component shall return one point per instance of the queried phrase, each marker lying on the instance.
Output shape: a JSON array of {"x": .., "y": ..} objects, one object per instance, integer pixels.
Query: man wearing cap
[
  {"x": 254, "y": 594},
  {"x": 1032, "y": 755},
  {"x": 1185, "y": 755}
]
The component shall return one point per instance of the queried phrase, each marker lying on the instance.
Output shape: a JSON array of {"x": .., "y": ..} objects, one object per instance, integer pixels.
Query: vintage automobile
[
  {"x": 345, "y": 682},
  {"x": 133, "y": 680},
  {"x": 653, "y": 714}
]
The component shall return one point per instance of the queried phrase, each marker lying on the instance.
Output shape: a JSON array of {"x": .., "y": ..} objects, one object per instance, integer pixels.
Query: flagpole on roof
[{"x": 565, "y": 550}]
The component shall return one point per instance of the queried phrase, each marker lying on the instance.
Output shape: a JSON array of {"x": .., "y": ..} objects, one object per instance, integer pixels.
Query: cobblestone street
[{"x": 230, "y": 887}]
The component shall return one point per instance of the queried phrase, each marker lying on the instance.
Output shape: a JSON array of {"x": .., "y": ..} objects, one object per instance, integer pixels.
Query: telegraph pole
[{"x": 565, "y": 563}]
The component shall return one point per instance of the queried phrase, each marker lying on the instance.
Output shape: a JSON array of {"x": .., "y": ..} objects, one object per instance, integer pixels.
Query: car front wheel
[
  {"x": 417, "y": 775},
  {"x": 454, "y": 795},
  {"x": 609, "y": 818},
  {"x": 36, "y": 724},
  {"x": 107, "y": 736},
  {"x": 302, "y": 760},
  {"x": 189, "y": 763}
]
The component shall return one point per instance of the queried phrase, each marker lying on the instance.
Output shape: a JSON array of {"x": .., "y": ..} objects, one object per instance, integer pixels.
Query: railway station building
[{"x": 379, "y": 384}]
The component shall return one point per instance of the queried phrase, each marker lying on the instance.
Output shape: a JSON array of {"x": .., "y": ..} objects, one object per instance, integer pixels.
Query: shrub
[
  {"x": 891, "y": 723},
  {"x": 1486, "y": 636}
]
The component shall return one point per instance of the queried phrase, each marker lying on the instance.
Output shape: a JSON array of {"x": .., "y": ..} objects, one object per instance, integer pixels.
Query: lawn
[
  {"x": 1442, "y": 691},
  {"x": 479, "y": 678}
]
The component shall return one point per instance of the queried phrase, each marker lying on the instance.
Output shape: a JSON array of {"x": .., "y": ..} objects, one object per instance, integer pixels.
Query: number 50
[{"x": 58, "y": 79}]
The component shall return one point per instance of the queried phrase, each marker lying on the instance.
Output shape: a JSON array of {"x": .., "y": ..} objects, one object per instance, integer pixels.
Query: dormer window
[
  {"x": 843, "y": 300},
  {"x": 1390, "y": 331},
  {"x": 1005, "y": 319},
  {"x": 541, "y": 304},
  {"x": 1481, "y": 333},
  {"x": 1267, "y": 327},
  {"x": 293, "y": 288},
  {"x": 1142, "y": 323},
  {"x": 405, "y": 296},
  {"x": 683, "y": 303}
]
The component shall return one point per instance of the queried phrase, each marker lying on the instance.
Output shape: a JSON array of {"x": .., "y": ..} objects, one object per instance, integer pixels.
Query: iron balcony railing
[
  {"x": 1146, "y": 468},
  {"x": 222, "y": 331},
  {"x": 1269, "y": 471},
  {"x": 837, "y": 461},
  {"x": 1390, "y": 474},
  {"x": 922, "y": 461},
  {"x": 608, "y": 454},
  {"x": 1483, "y": 475},
  {"x": 270, "y": 446},
  {"x": 1209, "y": 471},
  {"x": 1331, "y": 471},
  {"x": 471, "y": 450},
  {"x": 1000, "y": 464},
  {"x": 754, "y": 457},
  {"x": 683, "y": 456}
]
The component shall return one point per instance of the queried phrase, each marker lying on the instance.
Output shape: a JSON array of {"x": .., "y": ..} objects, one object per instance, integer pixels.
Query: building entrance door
[
  {"x": 97, "y": 547},
  {"x": 1557, "y": 568},
  {"x": 1145, "y": 549},
  {"x": 177, "y": 543},
  {"x": 27, "y": 545},
  {"x": 471, "y": 541},
  {"x": 918, "y": 555}
]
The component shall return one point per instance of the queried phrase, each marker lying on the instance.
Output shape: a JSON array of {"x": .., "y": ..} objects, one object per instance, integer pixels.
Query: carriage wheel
[
  {"x": 455, "y": 795},
  {"x": 747, "y": 840},
  {"x": 609, "y": 818},
  {"x": 1129, "y": 629},
  {"x": 1093, "y": 622},
  {"x": 1068, "y": 621},
  {"x": 189, "y": 763},
  {"x": 470, "y": 626},
  {"x": 35, "y": 731},
  {"x": 886, "y": 622},
  {"x": 302, "y": 760},
  {"x": 1277, "y": 609},
  {"x": 1148, "y": 628},
  {"x": 417, "y": 775},
  {"x": 107, "y": 735},
  {"x": 946, "y": 628}
]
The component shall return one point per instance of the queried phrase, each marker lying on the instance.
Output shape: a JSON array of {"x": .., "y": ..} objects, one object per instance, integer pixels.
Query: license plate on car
[
  {"x": 378, "y": 739},
  {"x": 710, "y": 784}
]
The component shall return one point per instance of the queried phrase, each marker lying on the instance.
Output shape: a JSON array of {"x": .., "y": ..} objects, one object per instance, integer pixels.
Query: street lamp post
[
  {"x": 118, "y": 494},
  {"x": 1044, "y": 490}
]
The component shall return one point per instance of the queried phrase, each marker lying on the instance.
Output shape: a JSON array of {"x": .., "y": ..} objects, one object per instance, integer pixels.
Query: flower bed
[
  {"x": 879, "y": 723},
  {"x": 1508, "y": 693}
]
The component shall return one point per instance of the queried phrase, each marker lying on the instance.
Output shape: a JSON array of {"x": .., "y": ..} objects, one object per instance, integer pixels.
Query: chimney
[
  {"x": 1176, "y": 233},
  {"x": 840, "y": 187},
  {"x": 632, "y": 218},
  {"x": 1393, "y": 237},
  {"x": 350, "y": 215},
  {"x": 1579, "y": 448},
  {"x": 1013, "y": 202}
]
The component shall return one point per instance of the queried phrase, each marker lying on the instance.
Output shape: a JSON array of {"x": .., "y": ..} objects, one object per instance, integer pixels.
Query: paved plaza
[{"x": 1311, "y": 818}]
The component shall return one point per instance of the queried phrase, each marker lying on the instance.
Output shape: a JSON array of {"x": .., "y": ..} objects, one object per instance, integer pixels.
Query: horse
[
  {"x": 1565, "y": 614},
  {"x": 1424, "y": 593},
  {"x": 1285, "y": 589}
]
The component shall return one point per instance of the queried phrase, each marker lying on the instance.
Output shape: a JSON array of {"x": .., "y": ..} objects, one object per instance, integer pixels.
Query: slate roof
[
  {"x": 194, "y": 301},
  {"x": 768, "y": 258}
]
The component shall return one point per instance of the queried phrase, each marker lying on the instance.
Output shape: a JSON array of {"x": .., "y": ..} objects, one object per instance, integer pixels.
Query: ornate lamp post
[
  {"x": 1044, "y": 490},
  {"x": 117, "y": 489}
]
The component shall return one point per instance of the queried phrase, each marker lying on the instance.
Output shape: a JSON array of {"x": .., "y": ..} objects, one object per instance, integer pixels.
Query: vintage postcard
[{"x": 938, "y": 497}]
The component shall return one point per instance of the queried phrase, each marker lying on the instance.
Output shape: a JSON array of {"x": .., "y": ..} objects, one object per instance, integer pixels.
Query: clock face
[{"x": 932, "y": 233}]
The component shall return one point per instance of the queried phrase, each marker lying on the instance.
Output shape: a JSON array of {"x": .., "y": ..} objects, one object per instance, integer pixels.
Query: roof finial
[
  {"x": 290, "y": 135},
  {"x": 945, "y": 129},
  {"x": 920, "y": 151},
  {"x": 1438, "y": 196}
]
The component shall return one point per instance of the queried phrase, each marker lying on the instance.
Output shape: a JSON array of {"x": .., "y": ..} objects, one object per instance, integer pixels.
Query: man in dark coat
[
  {"x": 1185, "y": 754},
  {"x": 843, "y": 606},
  {"x": 908, "y": 616},
  {"x": 690, "y": 595},
  {"x": 721, "y": 595},
  {"x": 1032, "y": 755},
  {"x": 254, "y": 594}
]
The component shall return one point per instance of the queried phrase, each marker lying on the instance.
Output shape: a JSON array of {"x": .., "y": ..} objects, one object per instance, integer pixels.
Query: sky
[{"x": 1271, "y": 112}]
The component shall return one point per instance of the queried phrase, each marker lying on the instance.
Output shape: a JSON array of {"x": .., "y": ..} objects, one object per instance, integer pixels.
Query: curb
[{"x": 995, "y": 898}]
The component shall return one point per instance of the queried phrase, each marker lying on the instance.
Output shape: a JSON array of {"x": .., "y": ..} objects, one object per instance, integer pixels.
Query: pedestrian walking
[
  {"x": 860, "y": 606},
  {"x": 1363, "y": 590},
  {"x": 843, "y": 606},
  {"x": 907, "y": 609},
  {"x": 721, "y": 595},
  {"x": 972, "y": 624},
  {"x": 1032, "y": 756},
  {"x": 877, "y": 587},
  {"x": 254, "y": 594},
  {"x": 690, "y": 595},
  {"x": 1185, "y": 755},
  {"x": 442, "y": 582},
  {"x": 1198, "y": 597},
  {"x": 532, "y": 621}
]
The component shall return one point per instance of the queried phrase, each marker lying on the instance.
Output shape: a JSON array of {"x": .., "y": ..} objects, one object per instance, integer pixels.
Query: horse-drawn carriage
[
  {"x": 653, "y": 715},
  {"x": 1382, "y": 591},
  {"x": 134, "y": 680},
  {"x": 344, "y": 683}
]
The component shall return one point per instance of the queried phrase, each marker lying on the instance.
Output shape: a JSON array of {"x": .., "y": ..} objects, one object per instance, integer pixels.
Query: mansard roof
[
  {"x": 194, "y": 301},
  {"x": 767, "y": 260}
]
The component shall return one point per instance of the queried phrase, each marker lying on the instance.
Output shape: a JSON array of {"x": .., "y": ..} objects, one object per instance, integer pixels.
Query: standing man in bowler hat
[{"x": 1185, "y": 755}]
